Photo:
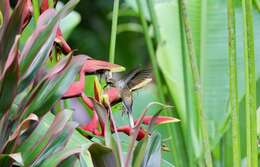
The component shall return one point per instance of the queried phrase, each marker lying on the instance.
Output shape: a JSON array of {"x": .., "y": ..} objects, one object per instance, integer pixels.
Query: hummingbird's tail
[{"x": 131, "y": 120}]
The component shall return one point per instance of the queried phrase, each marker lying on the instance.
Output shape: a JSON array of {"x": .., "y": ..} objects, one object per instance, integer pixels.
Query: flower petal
[
  {"x": 97, "y": 90},
  {"x": 75, "y": 88},
  {"x": 128, "y": 130},
  {"x": 94, "y": 66},
  {"x": 113, "y": 94},
  {"x": 87, "y": 101},
  {"x": 159, "y": 120},
  {"x": 92, "y": 126},
  {"x": 59, "y": 39}
]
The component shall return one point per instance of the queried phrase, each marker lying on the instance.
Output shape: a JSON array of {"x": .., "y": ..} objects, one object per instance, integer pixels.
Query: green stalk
[
  {"x": 249, "y": 56},
  {"x": 233, "y": 84},
  {"x": 36, "y": 10},
  {"x": 176, "y": 143},
  {"x": 154, "y": 21},
  {"x": 113, "y": 32},
  {"x": 257, "y": 4},
  {"x": 51, "y": 3},
  {"x": 150, "y": 48},
  {"x": 197, "y": 84}
]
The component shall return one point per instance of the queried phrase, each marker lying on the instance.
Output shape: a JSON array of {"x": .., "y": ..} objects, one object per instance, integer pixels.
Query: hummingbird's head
[{"x": 108, "y": 77}]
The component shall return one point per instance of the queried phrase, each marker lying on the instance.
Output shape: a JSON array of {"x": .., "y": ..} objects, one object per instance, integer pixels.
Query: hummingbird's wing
[
  {"x": 140, "y": 78},
  {"x": 130, "y": 75}
]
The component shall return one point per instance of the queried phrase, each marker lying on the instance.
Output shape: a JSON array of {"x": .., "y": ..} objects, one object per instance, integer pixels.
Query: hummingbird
[{"x": 134, "y": 80}]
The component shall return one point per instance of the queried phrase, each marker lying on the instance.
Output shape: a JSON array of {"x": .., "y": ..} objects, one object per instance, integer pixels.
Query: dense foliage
[
  {"x": 38, "y": 72},
  {"x": 61, "y": 107}
]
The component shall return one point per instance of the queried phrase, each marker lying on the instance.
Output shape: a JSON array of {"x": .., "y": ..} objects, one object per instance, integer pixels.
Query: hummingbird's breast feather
[{"x": 121, "y": 84}]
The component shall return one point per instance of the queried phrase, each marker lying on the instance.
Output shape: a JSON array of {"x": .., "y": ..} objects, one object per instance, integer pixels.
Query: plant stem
[
  {"x": 51, "y": 3},
  {"x": 257, "y": 4},
  {"x": 233, "y": 84},
  {"x": 118, "y": 142},
  {"x": 249, "y": 57},
  {"x": 175, "y": 132},
  {"x": 197, "y": 82},
  {"x": 154, "y": 21},
  {"x": 113, "y": 32},
  {"x": 36, "y": 10},
  {"x": 150, "y": 48}
]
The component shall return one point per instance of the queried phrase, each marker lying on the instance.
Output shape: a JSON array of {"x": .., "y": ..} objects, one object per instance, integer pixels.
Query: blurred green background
[{"x": 92, "y": 35}]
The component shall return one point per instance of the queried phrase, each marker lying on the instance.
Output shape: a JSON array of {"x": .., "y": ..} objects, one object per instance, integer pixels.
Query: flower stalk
[
  {"x": 113, "y": 32},
  {"x": 249, "y": 59},
  {"x": 36, "y": 10},
  {"x": 197, "y": 84},
  {"x": 233, "y": 83}
]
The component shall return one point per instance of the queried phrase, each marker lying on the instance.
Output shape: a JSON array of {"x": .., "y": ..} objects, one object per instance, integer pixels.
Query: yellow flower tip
[
  {"x": 170, "y": 121},
  {"x": 105, "y": 99},
  {"x": 118, "y": 69},
  {"x": 97, "y": 89}
]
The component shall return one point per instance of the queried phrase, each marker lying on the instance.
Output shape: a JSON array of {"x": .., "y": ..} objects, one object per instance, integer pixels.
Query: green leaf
[
  {"x": 110, "y": 141},
  {"x": 52, "y": 88},
  {"x": 153, "y": 151},
  {"x": 7, "y": 159},
  {"x": 39, "y": 45},
  {"x": 132, "y": 27},
  {"x": 171, "y": 63},
  {"x": 1, "y": 19},
  {"x": 69, "y": 22},
  {"x": 133, "y": 5},
  {"x": 12, "y": 29},
  {"x": 5, "y": 12},
  {"x": 258, "y": 120},
  {"x": 70, "y": 161},
  {"x": 9, "y": 81},
  {"x": 77, "y": 143},
  {"x": 58, "y": 143},
  {"x": 22, "y": 130},
  {"x": 85, "y": 159},
  {"x": 210, "y": 38},
  {"x": 37, "y": 48},
  {"x": 55, "y": 138},
  {"x": 58, "y": 157},
  {"x": 139, "y": 152},
  {"x": 102, "y": 156}
]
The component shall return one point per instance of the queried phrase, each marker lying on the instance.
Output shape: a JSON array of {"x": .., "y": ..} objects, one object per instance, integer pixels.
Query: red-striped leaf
[
  {"x": 10, "y": 79},
  {"x": 13, "y": 28}
]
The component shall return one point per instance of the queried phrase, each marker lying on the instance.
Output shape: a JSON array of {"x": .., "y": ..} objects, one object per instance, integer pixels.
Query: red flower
[
  {"x": 76, "y": 88},
  {"x": 128, "y": 130},
  {"x": 90, "y": 66},
  {"x": 59, "y": 39},
  {"x": 92, "y": 125},
  {"x": 158, "y": 120},
  {"x": 113, "y": 94}
]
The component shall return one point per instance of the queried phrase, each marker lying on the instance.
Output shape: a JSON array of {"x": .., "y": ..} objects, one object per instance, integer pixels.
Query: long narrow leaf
[
  {"x": 13, "y": 28},
  {"x": 39, "y": 147},
  {"x": 51, "y": 90},
  {"x": 37, "y": 48},
  {"x": 249, "y": 55},
  {"x": 10, "y": 79},
  {"x": 233, "y": 84}
]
